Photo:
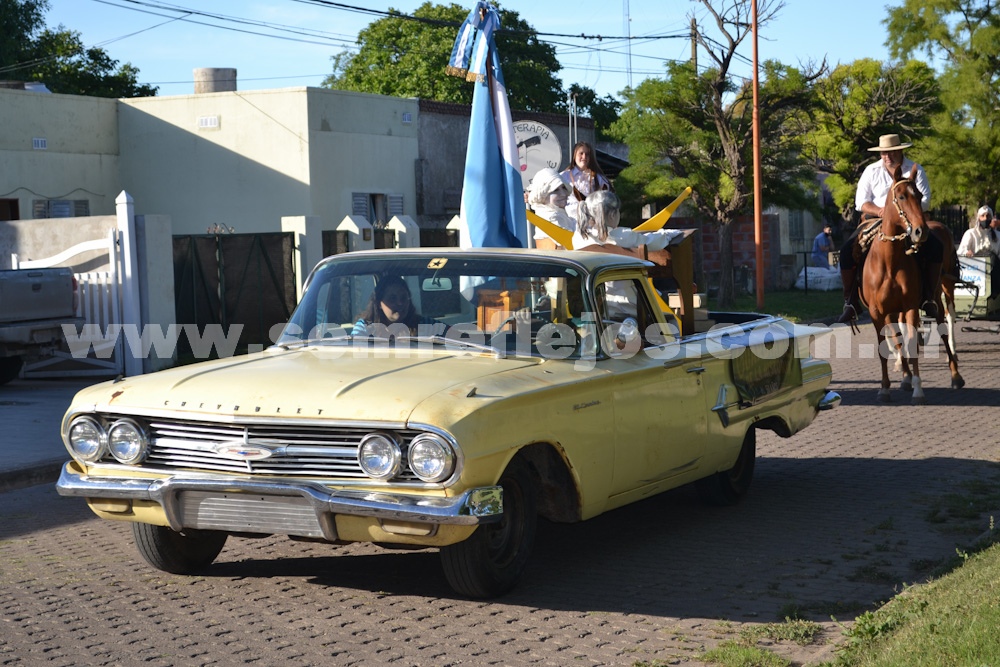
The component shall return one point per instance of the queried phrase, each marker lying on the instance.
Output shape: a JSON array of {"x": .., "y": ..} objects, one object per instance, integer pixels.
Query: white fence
[{"x": 106, "y": 301}]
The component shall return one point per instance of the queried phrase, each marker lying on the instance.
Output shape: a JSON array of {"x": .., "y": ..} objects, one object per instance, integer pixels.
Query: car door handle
[{"x": 696, "y": 369}]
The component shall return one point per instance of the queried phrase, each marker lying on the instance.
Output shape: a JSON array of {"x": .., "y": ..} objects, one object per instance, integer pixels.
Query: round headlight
[
  {"x": 127, "y": 441},
  {"x": 87, "y": 438},
  {"x": 431, "y": 458},
  {"x": 379, "y": 456}
]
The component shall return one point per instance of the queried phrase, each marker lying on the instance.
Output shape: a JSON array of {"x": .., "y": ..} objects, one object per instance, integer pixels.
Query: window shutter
[
  {"x": 395, "y": 205},
  {"x": 359, "y": 205}
]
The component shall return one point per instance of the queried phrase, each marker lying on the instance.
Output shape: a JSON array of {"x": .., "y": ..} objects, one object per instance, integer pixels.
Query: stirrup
[
  {"x": 851, "y": 318},
  {"x": 844, "y": 317},
  {"x": 930, "y": 308}
]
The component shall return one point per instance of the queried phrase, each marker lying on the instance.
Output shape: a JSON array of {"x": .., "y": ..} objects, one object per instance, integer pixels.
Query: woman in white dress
[{"x": 584, "y": 175}]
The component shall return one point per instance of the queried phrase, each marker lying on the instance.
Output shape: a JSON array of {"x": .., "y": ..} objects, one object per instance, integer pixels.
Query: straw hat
[{"x": 889, "y": 142}]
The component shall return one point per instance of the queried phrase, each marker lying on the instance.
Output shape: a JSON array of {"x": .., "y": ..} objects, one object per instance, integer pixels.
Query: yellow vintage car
[{"x": 513, "y": 384}]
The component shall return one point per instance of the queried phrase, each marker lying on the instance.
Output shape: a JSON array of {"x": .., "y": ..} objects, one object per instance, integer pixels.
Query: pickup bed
[{"x": 34, "y": 304}]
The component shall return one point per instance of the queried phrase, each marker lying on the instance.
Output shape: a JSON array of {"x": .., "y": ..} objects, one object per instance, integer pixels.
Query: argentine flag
[{"x": 493, "y": 210}]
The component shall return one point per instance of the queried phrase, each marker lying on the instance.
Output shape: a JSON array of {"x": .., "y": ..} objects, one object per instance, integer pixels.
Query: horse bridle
[{"x": 908, "y": 226}]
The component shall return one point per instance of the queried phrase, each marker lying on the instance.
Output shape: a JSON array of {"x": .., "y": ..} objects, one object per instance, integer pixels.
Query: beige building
[{"x": 238, "y": 159}]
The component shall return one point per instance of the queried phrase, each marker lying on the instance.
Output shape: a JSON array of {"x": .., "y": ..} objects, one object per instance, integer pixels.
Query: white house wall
[
  {"x": 361, "y": 143},
  {"x": 80, "y": 160},
  {"x": 246, "y": 172}
]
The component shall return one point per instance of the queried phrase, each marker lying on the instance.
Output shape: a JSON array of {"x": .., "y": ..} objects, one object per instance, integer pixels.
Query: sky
[{"x": 166, "y": 45}]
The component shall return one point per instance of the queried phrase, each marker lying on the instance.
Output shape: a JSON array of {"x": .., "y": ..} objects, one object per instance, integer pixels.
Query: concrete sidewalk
[{"x": 31, "y": 449}]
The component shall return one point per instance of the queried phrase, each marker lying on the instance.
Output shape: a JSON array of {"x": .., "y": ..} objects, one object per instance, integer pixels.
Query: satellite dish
[{"x": 537, "y": 147}]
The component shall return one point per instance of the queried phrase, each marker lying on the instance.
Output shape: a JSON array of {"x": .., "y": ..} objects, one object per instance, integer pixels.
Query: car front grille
[{"x": 303, "y": 451}]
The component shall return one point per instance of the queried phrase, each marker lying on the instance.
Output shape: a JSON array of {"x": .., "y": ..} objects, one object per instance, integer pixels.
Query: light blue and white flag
[{"x": 493, "y": 210}]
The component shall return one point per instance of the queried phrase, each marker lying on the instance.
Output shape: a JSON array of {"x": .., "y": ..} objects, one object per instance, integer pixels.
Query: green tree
[
  {"x": 695, "y": 129},
  {"x": 856, "y": 104},
  {"x": 963, "y": 155},
  {"x": 58, "y": 58},
  {"x": 20, "y": 20},
  {"x": 407, "y": 58}
]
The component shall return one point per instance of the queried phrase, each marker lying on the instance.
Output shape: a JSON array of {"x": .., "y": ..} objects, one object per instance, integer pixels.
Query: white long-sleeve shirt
[
  {"x": 979, "y": 242},
  {"x": 876, "y": 182},
  {"x": 624, "y": 237}
]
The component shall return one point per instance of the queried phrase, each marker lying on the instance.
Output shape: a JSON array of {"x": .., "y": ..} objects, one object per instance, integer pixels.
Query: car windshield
[{"x": 502, "y": 305}]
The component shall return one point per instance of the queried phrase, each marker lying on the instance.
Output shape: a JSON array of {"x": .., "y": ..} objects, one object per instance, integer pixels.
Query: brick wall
[{"x": 708, "y": 261}]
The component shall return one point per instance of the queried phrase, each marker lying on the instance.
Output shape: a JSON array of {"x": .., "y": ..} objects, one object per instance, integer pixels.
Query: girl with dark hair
[{"x": 389, "y": 305}]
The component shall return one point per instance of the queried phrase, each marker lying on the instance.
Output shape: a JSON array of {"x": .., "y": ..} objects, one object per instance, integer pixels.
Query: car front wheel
[
  {"x": 178, "y": 553},
  {"x": 490, "y": 562}
]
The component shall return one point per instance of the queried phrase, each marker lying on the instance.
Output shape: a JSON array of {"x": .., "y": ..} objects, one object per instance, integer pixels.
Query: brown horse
[
  {"x": 945, "y": 321},
  {"x": 950, "y": 272},
  {"x": 890, "y": 283}
]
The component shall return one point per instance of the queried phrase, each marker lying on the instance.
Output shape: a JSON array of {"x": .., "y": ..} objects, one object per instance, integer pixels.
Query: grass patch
[
  {"x": 794, "y": 305},
  {"x": 793, "y": 630},
  {"x": 949, "y": 621},
  {"x": 735, "y": 654}
]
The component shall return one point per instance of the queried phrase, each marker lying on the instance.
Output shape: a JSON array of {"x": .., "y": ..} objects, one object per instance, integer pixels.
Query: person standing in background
[{"x": 980, "y": 239}]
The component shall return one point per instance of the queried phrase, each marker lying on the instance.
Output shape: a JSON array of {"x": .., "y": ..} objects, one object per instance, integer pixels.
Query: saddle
[{"x": 866, "y": 235}]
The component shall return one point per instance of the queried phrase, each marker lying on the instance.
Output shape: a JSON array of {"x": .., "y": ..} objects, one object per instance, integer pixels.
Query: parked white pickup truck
[{"x": 34, "y": 304}]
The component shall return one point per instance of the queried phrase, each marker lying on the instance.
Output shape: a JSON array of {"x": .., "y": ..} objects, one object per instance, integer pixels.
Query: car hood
[{"x": 322, "y": 382}]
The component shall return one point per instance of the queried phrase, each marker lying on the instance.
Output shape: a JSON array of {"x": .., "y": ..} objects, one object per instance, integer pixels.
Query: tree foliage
[
  {"x": 58, "y": 58},
  {"x": 695, "y": 129},
  {"x": 407, "y": 58},
  {"x": 963, "y": 155},
  {"x": 856, "y": 104}
]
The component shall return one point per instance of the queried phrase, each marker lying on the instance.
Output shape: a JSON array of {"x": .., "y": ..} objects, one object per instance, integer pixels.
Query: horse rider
[{"x": 873, "y": 190}]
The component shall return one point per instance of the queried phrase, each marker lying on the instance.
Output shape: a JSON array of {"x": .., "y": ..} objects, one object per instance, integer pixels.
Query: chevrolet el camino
[{"x": 521, "y": 383}]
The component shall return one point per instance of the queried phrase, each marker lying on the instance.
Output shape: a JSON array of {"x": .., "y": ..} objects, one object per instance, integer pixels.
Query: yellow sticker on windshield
[{"x": 437, "y": 263}]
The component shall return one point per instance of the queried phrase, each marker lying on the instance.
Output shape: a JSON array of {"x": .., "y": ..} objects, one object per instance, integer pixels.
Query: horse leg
[
  {"x": 911, "y": 353},
  {"x": 881, "y": 326},
  {"x": 902, "y": 366},
  {"x": 947, "y": 331}
]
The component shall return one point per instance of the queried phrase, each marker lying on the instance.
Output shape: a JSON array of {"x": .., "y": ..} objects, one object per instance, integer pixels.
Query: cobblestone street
[{"x": 838, "y": 519}]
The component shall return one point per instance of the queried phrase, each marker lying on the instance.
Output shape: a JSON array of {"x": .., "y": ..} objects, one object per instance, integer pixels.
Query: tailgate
[{"x": 36, "y": 294}]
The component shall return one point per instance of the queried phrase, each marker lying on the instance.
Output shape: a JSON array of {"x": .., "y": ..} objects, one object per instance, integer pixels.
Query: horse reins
[{"x": 902, "y": 216}]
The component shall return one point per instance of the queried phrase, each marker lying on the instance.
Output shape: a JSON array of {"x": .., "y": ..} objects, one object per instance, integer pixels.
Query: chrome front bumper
[{"x": 239, "y": 504}]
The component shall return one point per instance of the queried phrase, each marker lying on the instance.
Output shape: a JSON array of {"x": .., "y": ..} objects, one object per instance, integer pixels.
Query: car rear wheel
[
  {"x": 9, "y": 368},
  {"x": 490, "y": 562},
  {"x": 728, "y": 486},
  {"x": 178, "y": 553}
]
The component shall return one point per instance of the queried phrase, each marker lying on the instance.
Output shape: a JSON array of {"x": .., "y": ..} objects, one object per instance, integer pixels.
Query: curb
[{"x": 46, "y": 472}]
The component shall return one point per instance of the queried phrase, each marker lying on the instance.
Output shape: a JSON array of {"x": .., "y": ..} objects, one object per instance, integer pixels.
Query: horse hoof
[
  {"x": 918, "y": 400},
  {"x": 884, "y": 397},
  {"x": 957, "y": 383},
  {"x": 906, "y": 385}
]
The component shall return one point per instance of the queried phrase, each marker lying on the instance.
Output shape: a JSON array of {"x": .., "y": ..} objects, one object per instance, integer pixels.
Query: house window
[
  {"x": 795, "y": 231},
  {"x": 60, "y": 208},
  {"x": 378, "y": 209}
]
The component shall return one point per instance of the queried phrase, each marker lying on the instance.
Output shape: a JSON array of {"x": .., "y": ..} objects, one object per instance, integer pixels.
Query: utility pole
[
  {"x": 758, "y": 205},
  {"x": 694, "y": 43},
  {"x": 628, "y": 41}
]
